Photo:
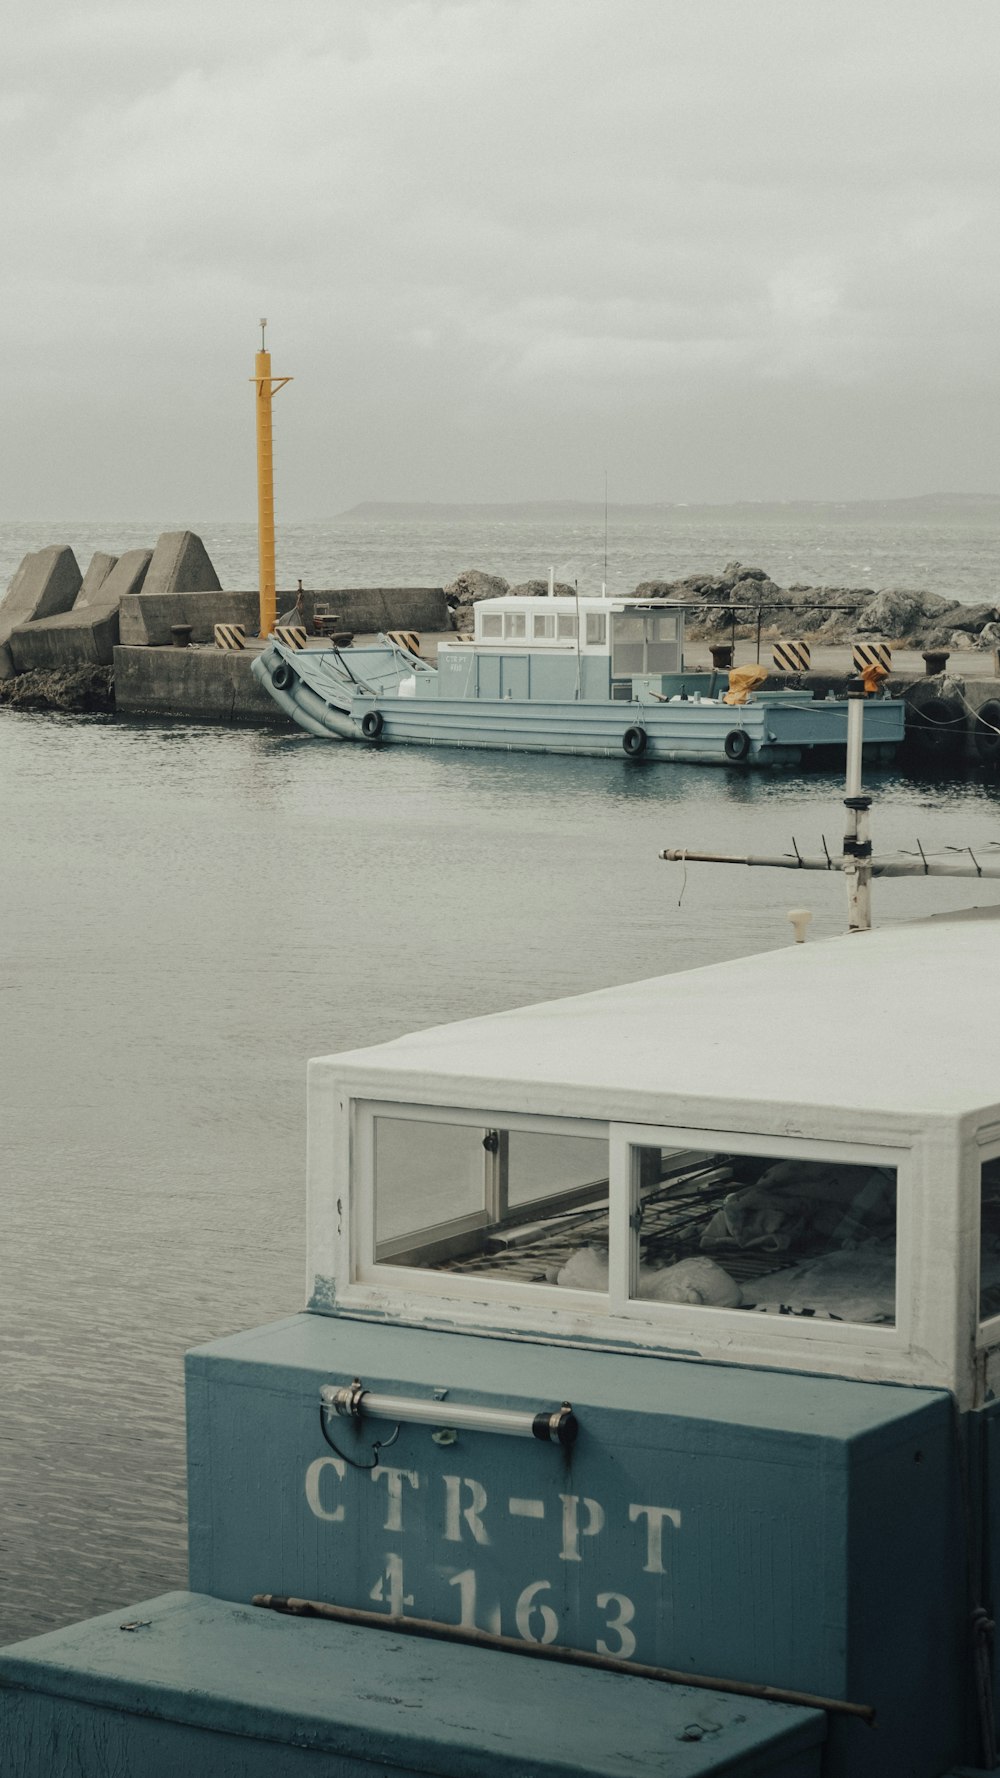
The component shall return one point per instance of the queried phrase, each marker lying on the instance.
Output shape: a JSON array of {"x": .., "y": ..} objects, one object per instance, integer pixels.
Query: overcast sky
[{"x": 723, "y": 248}]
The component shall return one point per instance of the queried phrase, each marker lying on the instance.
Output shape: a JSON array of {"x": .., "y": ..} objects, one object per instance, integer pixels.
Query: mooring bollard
[
  {"x": 935, "y": 661},
  {"x": 722, "y": 655},
  {"x": 181, "y": 634}
]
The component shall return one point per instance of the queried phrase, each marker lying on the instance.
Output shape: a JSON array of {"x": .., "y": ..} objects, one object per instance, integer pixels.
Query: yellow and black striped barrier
[
  {"x": 791, "y": 657},
  {"x": 408, "y": 639},
  {"x": 231, "y": 636},
  {"x": 871, "y": 654},
  {"x": 290, "y": 635}
]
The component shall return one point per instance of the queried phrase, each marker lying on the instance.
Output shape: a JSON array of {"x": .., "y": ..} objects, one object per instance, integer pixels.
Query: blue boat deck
[{"x": 211, "y": 1689}]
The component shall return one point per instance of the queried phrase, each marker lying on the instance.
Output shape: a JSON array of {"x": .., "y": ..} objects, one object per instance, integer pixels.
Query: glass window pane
[
  {"x": 664, "y": 627},
  {"x": 514, "y": 624},
  {"x": 597, "y": 625},
  {"x": 989, "y": 1242},
  {"x": 518, "y": 1206},
  {"x": 540, "y": 1165},
  {"x": 426, "y": 1174},
  {"x": 544, "y": 625},
  {"x": 566, "y": 626},
  {"x": 492, "y": 624},
  {"x": 779, "y": 1237}
]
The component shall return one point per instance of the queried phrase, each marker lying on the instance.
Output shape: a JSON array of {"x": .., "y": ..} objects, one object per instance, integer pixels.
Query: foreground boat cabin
[{"x": 626, "y": 1335}]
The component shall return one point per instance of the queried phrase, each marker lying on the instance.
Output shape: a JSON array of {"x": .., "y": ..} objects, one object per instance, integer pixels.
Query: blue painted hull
[{"x": 773, "y": 729}]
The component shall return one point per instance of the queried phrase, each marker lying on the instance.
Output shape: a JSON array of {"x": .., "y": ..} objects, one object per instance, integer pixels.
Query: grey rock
[{"x": 539, "y": 589}]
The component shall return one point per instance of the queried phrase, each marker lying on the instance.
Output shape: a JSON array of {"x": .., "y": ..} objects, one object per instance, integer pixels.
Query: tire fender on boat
[
  {"x": 938, "y": 725},
  {"x": 372, "y": 724},
  {"x": 634, "y": 742},
  {"x": 986, "y": 731},
  {"x": 282, "y": 676},
  {"x": 736, "y": 745}
]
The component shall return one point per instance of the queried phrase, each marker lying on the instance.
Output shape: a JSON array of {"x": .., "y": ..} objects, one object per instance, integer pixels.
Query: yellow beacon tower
[{"x": 266, "y": 388}]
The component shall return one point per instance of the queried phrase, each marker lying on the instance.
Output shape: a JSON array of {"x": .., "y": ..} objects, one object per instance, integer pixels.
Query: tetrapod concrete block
[
  {"x": 89, "y": 633},
  {"x": 46, "y": 582},
  {"x": 90, "y": 593},
  {"x": 180, "y": 564}
]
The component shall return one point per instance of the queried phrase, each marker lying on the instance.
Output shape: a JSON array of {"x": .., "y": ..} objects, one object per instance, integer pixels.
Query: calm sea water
[{"x": 187, "y": 915}]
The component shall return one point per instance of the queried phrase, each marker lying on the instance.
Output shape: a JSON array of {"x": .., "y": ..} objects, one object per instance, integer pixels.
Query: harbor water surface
[{"x": 187, "y": 915}]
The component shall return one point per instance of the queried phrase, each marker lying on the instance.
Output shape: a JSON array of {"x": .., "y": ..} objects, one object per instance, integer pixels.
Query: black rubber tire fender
[
  {"x": 282, "y": 675},
  {"x": 937, "y": 725},
  {"x": 634, "y": 741},
  {"x": 986, "y": 730},
  {"x": 736, "y": 745},
  {"x": 372, "y": 724}
]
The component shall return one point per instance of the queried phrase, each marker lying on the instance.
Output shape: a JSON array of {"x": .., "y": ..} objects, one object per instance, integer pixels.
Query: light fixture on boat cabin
[{"x": 352, "y": 1401}]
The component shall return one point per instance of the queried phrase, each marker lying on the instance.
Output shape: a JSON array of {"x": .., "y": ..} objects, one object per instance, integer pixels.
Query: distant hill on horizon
[{"x": 912, "y": 505}]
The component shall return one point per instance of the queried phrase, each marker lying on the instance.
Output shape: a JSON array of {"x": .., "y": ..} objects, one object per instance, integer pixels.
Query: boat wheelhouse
[
  {"x": 560, "y": 674},
  {"x": 656, "y": 1329}
]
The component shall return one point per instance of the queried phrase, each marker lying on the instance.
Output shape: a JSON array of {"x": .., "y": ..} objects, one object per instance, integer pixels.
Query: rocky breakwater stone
[
  {"x": 467, "y": 589},
  {"x": 87, "y": 634},
  {"x": 78, "y": 691},
  {"x": 46, "y": 583},
  {"x": 716, "y": 601}
]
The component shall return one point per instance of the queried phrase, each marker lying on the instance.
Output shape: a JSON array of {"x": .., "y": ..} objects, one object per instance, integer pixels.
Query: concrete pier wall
[
  {"x": 201, "y": 684},
  {"x": 147, "y": 619}
]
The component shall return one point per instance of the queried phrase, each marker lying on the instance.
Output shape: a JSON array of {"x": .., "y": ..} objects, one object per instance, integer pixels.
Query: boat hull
[{"x": 778, "y": 729}]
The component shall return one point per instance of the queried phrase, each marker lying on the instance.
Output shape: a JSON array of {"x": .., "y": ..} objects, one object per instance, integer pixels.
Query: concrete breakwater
[{"x": 136, "y": 633}]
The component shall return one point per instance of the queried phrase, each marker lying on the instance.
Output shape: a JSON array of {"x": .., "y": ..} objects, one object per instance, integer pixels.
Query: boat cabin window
[
  {"x": 566, "y": 626},
  {"x": 491, "y": 624},
  {"x": 639, "y": 1224},
  {"x": 644, "y": 642},
  {"x": 543, "y": 626},
  {"x": 597, "y": 629},
  {"x": 812, "y": 1238},
  {"x": 466, "y": 1198},
  {"x": 515, "y": 625},
  {"x": 989, "y": 1241}
]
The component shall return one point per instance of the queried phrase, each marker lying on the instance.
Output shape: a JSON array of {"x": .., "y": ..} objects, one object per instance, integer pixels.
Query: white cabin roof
[{"x": 902, "y": 1021}]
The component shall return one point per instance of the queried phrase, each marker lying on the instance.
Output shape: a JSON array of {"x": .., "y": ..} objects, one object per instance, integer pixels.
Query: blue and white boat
[
  {"x": 643, "y": 1420},
  {"x": 594, "y": 676}
]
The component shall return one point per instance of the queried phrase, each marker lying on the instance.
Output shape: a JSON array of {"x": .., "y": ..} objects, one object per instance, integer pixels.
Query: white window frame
[
  {"x": 510, "y": 619},
  {"x": 988, "y": 1149},
  {"x": 917, "y": 1347},
  {"x": 543, "y": 626}
]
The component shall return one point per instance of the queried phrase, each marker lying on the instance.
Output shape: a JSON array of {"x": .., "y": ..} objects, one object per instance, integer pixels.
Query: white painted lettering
[
  {"x": 624, "y": 1649},
  {"x": 389, "y": 1587},
  {"x": 394, "y": 1481},
  {"x": 528, "y": 1608},
  {"x": 572, "y": 1531},
  {"x": 525, "y": 1509},
  {"x": 654, "y": 1516},
  {"x": 313, "y": 1474},
  {"x": 455, "y": 1512}
]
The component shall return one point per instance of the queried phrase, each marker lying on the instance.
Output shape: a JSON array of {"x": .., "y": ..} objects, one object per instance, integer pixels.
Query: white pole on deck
[
  {"x": 857, "y": 838},
  {"x": 552, "y": 583}
]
